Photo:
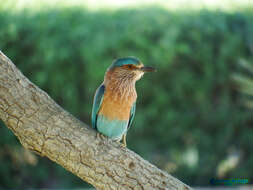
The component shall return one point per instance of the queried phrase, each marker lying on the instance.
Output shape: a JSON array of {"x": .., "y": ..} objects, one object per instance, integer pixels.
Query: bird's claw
[
  {"x": 123, "y": 145},
  {"x": 99, "y": 135},
  {"x": 102, "y": 137}
]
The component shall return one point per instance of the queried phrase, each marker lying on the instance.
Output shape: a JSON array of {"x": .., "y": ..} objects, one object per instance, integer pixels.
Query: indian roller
[{"x": 115, "y": 99}]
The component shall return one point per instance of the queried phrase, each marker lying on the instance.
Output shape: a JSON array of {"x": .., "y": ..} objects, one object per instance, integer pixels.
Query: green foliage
[
  {"x": 244, "y": 82},
  {"x": 188, "y": 119}
]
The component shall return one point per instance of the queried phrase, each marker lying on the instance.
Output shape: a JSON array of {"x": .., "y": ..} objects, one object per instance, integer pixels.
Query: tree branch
[{"x": 44, "y": 127}]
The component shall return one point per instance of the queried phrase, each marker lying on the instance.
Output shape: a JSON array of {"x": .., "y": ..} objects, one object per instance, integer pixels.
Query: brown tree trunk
[{"x": 44, "y": 127}]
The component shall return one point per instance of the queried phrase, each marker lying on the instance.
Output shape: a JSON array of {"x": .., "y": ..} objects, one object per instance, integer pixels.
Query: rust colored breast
[{"x": 117, "y": 106}]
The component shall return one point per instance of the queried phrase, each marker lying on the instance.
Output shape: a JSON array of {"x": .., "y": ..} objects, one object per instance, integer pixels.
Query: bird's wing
[
  {"x": 98, "y": 98},
  {"x": 132, "y": 113}
]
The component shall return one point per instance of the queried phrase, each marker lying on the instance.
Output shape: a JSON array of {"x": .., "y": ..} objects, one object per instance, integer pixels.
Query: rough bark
[{"x": 44, "y": 127}]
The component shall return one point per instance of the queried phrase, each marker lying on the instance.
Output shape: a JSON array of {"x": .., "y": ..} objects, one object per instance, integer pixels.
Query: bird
[{"x": 114, "y": 102}]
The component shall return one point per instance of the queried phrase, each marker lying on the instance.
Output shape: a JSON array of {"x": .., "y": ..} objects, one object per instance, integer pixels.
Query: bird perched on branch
[{"x": 115, "y": 99}]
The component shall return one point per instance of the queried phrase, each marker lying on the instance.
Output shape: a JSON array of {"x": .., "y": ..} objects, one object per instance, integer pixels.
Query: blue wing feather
[
  {"x": 132, "y": 113},
  {"x": 98, "y": 98}
]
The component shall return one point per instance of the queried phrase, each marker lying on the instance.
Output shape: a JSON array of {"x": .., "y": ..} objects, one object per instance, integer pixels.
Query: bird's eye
[{"x": 129, "y": 66}]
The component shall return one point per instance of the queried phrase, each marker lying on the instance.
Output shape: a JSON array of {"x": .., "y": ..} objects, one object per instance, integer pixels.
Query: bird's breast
[{"x": 117, "y": 104}]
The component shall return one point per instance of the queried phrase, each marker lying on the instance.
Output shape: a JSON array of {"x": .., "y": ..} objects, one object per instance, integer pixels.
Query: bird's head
[{"x": 128, "y": 68}]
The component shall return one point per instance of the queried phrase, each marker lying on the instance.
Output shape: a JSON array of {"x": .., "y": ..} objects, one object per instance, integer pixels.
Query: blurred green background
[{"x": 191, "y": 120}]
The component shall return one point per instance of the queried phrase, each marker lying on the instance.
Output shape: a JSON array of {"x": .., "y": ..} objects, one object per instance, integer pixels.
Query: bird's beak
[{"x": 148, "y": 69}]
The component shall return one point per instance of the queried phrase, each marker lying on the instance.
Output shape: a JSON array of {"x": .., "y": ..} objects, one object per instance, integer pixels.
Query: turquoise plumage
[
  {"x": 132, "y": 114},
  {"x": 98, "y": 98},
  {"x": 114, "y": 102}
]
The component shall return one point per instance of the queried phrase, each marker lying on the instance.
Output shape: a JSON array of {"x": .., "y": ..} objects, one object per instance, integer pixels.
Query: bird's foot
[
  {"x": 105, "y": 140},
  {"x": 123, "y": 145},
  {"x": 102, "y": 137},
  {"x": 99, "y": 135}
]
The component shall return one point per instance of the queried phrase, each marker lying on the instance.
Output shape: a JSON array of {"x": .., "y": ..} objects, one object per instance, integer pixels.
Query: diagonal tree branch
[{"x": 44, "y": 127}]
